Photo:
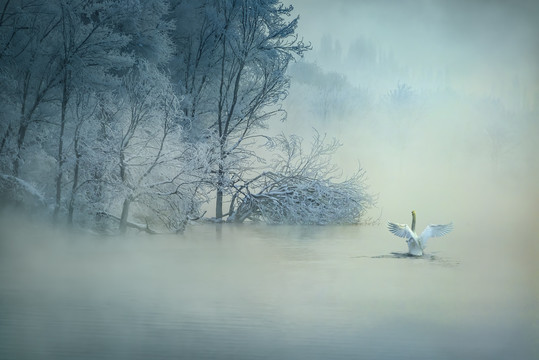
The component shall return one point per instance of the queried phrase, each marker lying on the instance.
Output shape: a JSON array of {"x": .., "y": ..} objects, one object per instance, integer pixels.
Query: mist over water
[
  {"x": 463, "y": 149},
  {"x": 255, "y": 291}
]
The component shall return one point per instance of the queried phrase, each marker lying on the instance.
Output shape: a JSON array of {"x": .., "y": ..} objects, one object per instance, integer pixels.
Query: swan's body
[{"x": 416, "y": 243}]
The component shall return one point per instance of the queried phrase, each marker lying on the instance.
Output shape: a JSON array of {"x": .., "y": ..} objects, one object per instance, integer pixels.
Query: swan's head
[{"x": 413, "y": 212}]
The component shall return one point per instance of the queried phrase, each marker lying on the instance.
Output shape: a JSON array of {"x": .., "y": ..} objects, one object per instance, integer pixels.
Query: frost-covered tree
[
  {"x": 135, "y": 109},
  {"x": 52, "y": 47},
  {"x": 148, "y": 25},
  {"x": 302, "y": 188},
  {"x": 234, "y": 70},
  {"x": 194, "y": 63},
  {"x": 90, "y": 51},
  {"x": 84, "y": 108},
  {"x": 152, "y": 165},
  {"x": 29, "y": 66},
  {"x": 71, "y": 99}
]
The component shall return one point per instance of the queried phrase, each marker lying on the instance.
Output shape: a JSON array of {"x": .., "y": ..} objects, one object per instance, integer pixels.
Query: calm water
[{"x": 259, "y": 292}]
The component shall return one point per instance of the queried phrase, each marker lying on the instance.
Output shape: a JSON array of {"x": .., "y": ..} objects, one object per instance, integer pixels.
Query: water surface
[{"x": 261, "y": 292}]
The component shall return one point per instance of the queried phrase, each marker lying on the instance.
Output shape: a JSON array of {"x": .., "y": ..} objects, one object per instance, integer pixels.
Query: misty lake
[
  {"x": 153, "y": 112},
  {"x": 260, "y": 292}
]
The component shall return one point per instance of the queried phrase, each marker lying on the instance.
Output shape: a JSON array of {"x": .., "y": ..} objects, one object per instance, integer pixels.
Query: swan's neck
[{"x": 413, "y": 221}]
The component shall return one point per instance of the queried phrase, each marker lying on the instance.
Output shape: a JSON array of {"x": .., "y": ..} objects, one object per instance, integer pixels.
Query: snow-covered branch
[{"x": 302, "y": 188}]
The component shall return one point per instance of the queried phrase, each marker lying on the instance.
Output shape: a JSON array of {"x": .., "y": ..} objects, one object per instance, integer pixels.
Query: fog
[
  {"x": 465, "y": 134},
  {"x": 461, "y": 146},
  {"x": 481, "y": 47}
]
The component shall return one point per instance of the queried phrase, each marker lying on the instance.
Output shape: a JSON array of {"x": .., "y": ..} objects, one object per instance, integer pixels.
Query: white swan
[{"x": 416, "y": 244}]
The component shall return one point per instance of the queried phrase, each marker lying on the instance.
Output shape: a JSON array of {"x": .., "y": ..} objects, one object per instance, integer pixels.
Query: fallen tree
[{"x": 302, "y": 189}]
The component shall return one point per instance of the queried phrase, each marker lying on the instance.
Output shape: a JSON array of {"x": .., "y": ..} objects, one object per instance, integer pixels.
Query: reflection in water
[
  {"x": 258, "y": 292},
  {"x": 425, "y": 257}
]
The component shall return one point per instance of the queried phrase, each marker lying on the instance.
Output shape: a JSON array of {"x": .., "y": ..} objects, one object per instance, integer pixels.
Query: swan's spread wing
[
  {"x": 436, "y": 230},
  {"x": 401, "y": 230}
]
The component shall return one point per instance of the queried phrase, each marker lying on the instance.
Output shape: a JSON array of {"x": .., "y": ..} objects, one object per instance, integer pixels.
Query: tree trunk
[
  {"x": 219, "y": 198},
  {"x": 74, "y": 187},
  {"x": 20, "y": 141},
  {"x": 127, "y": 201},
  {"x": 125, "y": 213},
  {"x": 219, "y": 204},
  {"x": 5, "y": 137},
  {"x": 60, "y": 171},
  {"x": 122, "y": 165}
]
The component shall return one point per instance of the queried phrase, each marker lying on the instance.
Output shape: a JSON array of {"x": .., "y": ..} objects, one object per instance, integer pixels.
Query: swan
[{"x": 416, "y": 244}]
